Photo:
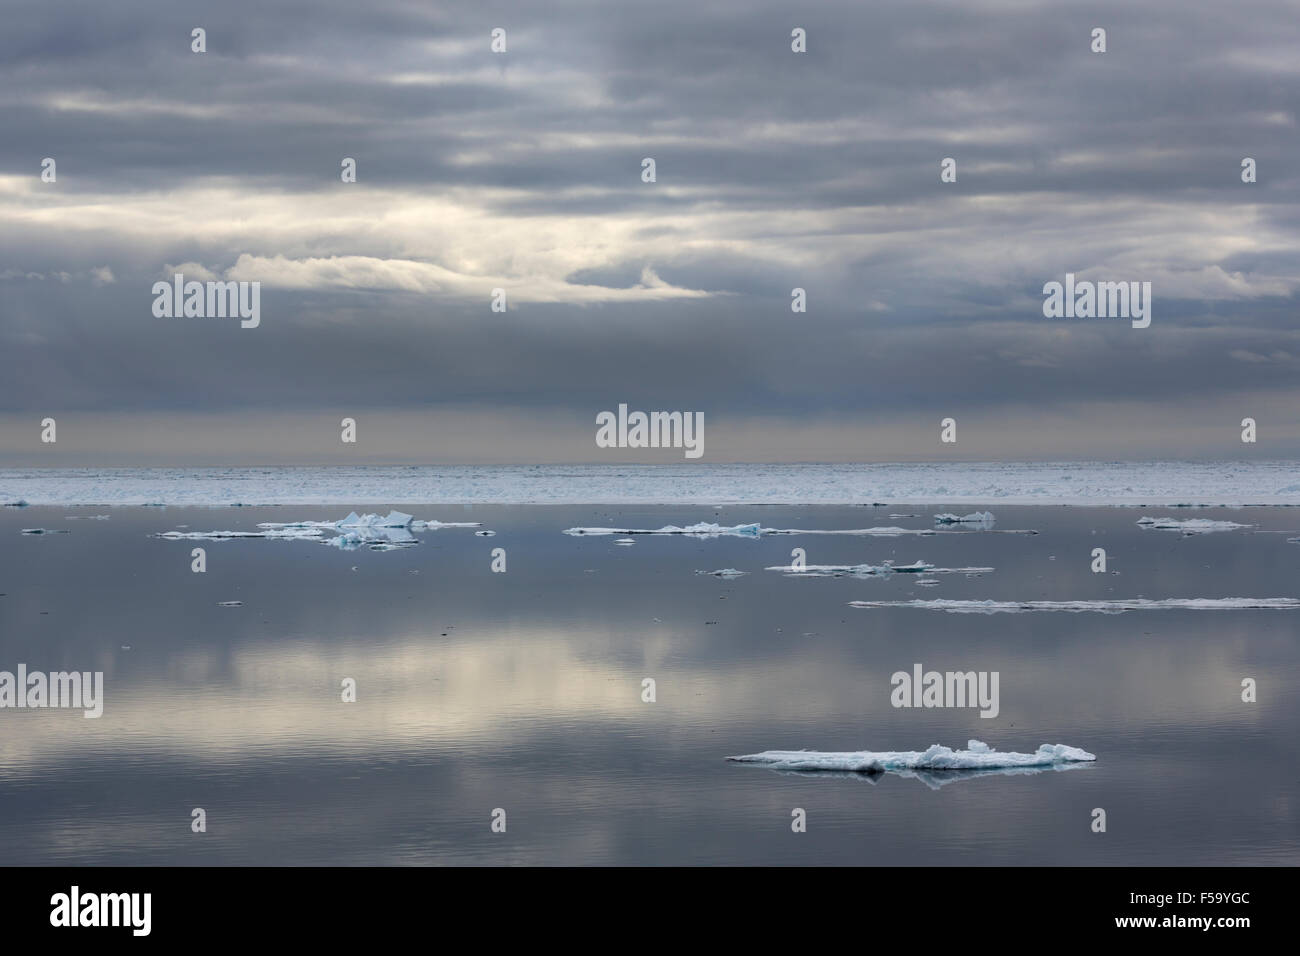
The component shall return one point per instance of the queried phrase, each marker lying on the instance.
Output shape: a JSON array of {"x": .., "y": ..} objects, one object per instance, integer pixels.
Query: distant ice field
[{"x": 959, "y": 483}]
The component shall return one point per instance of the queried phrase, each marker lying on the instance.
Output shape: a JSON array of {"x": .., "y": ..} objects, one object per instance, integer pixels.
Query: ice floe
[
  {"x": 1191, "y": 525},
  {"x": 372, "y": 532},
  {"x": 287, "y": 534},
  {"x": 702, "y": 530},
  {"x": 983, "y": 519},
  {"x": 976, "y": 756},
  {"x": 724, "y": 573},
  {"x": 710, "y": 530},
  {"x": 870, "y": 570},
  {"x": 394, "y": 519},
  {"x": 1106, "y": 607},
  {"x": 373, "y": 539}
]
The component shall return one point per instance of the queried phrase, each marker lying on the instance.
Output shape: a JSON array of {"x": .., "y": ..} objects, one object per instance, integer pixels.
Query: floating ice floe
[
  {"x": 976, "y": 756},
  {"x": 870, "y": 570},
  {"x": 394, "y": 519},
  {"x": 370, "y": 531},
  {"x": 1191, "y": 525},
  {"x": 287, "y": 534},
  {"x": 1106, "y": 607},
  {"x": 373, "y": 538},
  {"x": 701, "y": 530},
  {"x": 724, "y": 573},
  {"x": 983, "y": 519},
  {"x": 709, "y": 530}
]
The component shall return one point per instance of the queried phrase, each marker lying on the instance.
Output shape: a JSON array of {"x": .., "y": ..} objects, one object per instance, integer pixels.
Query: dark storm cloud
[{"x": 775, "y": 170}]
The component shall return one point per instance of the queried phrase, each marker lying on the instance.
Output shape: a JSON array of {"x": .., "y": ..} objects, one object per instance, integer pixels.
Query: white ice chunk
[
  {"x": 374, "y": 538},
  {"x": 394, "y": 519},
  {"x": 977, "y": 756}
]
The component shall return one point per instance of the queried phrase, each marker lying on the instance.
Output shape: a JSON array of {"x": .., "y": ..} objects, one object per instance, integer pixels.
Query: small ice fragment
[{"x": 724, "y": 573}]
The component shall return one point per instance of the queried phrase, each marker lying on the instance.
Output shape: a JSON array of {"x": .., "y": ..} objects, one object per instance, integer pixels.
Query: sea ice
[
  {"x": 370, "y": 531},
  {"x": 701, "y": 530},
  {"x": 981, "y": 518},
  {"x": 285, "y": 533},
  {"x": 903, "y": 486},
  {"x": 871, "y": 570},
  {"x": 1191, "y": 525},
  {"x": 709, "y": 530},
  {"x": 373, "y": 538},
  {"x": 976, "y": 756},
  {"x": 1108, "y": 607}
]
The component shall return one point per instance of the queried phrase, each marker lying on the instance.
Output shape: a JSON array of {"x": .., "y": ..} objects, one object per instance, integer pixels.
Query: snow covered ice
[{"x": 977, "y": 756}]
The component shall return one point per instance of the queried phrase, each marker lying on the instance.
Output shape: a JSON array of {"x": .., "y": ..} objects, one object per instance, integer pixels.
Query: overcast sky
[{"x": 522, "y": 170}]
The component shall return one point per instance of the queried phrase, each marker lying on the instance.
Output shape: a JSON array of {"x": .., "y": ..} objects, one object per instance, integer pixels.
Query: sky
[{"x": 522, "y": 170}]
